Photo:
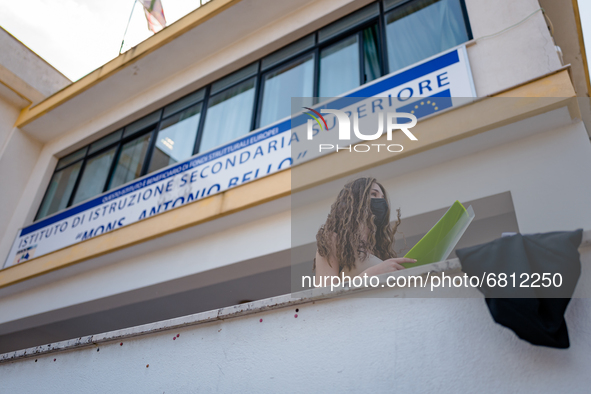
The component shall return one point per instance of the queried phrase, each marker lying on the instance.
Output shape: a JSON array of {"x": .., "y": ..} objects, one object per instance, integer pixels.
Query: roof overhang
[{"x": 566, "y": 29}]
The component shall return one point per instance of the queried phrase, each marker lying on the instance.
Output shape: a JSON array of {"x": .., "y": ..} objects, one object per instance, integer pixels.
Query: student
[{"x": 357, "y": 237}]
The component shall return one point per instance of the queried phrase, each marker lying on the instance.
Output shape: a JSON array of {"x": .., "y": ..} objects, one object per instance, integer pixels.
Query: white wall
[
  {"x": 25, "y": 79},
  {"x": 17, "y": 161},
  {"x": 534, "y": 169},
  {"x": 348, "y": 344}
]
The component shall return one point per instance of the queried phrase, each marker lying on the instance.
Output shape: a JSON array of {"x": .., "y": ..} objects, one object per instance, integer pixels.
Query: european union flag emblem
[{"x": 427, "y": 106}]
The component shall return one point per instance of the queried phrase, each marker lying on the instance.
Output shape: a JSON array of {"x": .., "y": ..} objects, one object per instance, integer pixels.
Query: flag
[
  {"x": 154, "y": 14},
  {"x": 427, "y": 106}
]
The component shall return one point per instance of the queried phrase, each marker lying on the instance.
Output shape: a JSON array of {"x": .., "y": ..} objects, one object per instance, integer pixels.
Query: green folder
[{"x": 441, "y": 240}]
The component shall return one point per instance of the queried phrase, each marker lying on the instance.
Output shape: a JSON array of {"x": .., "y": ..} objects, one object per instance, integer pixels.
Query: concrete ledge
[{"x": 283, "y": 301}]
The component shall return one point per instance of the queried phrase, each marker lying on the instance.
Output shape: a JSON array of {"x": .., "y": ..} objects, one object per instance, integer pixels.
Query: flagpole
[{"x": 126, "y": 27}]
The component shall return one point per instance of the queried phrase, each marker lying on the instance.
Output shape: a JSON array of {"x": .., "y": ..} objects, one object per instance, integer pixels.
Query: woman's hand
[{"x": 389, "y": 265}]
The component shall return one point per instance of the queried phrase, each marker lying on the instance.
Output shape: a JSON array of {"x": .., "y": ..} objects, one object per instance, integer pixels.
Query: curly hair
[{"x": 349, "y": 216}]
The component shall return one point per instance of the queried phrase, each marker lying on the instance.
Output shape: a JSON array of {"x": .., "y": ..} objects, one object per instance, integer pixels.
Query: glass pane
[
  {"x": 229, "y": 115},
  {"x": 371, "y": 58},
  {"x": 290, "y": 50},
  {"x": 72, "y": 157},
  {"x": 176, "y": 138},
  {"x": 423, "y": 28},
  {"x": 233, "y": 78},
  {"x": 59, "y": 190},
  {"x": 294, "y": 80},
  {"x": 142, "y": 123},
  {"x": 349, "y": 21},
  {"x": 184, "y": 102},
  {"x": 94, "y": 176},
  {"x": 339, "y": 67},
  {"x": 130, "y": 161},
  {"x": 105, "y": 141}
]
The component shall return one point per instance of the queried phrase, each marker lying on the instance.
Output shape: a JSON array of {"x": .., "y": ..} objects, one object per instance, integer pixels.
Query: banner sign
[{"x": 445, "y": 78}]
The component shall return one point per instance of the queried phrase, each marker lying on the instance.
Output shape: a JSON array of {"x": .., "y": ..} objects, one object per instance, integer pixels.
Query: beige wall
[
  {"x": 517, "y": 55},
  {"x": 25, "y": 79}
]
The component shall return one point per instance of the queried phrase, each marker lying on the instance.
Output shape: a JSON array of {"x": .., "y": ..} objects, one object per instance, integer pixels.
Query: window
[
  {"x": 94, "y": 176},
  {"x": 176, "y": 138},
  {"x": 356, "y": 49},
  {"x": 220, "y": 126},
  {"x": 130, "y": 161},
  {"x": 295, "y": 79},
  {"x": 340, "y": 67},
  {"x": 60, "y": 188},
  {"x": 109, "y": 162},
  {"x": 442, "y": 26}
]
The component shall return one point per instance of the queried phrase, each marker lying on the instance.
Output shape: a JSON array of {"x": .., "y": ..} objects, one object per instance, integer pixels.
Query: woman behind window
[{"x": 357, "y": 238}]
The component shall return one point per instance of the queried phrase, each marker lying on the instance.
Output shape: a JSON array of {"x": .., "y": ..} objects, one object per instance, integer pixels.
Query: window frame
[
  {"x": 53, "y": 174},
  {"x": 277, "y": 66},
  {"x": 201, "y": 126},
  {"x": 385, "y": 11},
  {"x": 378, "y": 20},
  {"x": 137, "y": 135}
]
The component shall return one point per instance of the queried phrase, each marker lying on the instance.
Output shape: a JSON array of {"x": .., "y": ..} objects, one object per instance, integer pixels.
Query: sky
[{"x": 78, "y": 36}]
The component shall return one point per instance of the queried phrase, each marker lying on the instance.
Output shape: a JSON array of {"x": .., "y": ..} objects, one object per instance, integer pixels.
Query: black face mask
[{"x": 379, "y": 207}]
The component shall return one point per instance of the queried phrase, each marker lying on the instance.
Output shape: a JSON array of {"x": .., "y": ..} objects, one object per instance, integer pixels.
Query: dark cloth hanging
[{"x": 535, "y": 314}]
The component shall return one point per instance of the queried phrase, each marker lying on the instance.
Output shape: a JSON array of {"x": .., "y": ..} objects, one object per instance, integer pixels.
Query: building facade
[{"x": 171, "y": 191}]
